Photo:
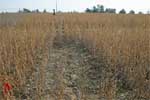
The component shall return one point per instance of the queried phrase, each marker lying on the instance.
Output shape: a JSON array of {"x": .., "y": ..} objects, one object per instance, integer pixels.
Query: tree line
[
  {"x": 101, "y": 9},
  {"x": 25, "y": 10},
  {"x": 94, "y": 9}
]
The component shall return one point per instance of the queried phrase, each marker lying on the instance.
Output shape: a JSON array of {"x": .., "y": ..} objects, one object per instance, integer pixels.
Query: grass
[
  {"x": 24, "y": 46},
  {"x": 122, "y": 40}
]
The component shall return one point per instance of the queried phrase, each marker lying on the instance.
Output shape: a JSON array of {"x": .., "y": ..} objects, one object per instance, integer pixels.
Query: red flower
[{"x": 7, "y": 88}]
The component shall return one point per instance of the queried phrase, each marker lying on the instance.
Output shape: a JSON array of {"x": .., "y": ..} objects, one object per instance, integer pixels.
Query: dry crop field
[{"x": 118, "y": 46}]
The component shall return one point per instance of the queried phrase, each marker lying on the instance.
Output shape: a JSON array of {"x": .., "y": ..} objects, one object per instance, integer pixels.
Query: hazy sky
[{"x": 77, "y": 5}]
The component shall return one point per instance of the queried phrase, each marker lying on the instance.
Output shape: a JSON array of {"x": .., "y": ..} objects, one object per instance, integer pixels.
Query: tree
[
  {"x": 110, "y": 10},
  {"x": 88, "y": 10},
  {"x": 140, "y": 12},
  {"x": 37, "y": 11},
  {"x": 100, "y": 8},
  {"x": 95, "y": 9},
  {"x": 44, "y": 11},
  {"x": 122, "y": 11},
  {"x": 132, "y": 12},
  {"x": 26, "y": 10}
]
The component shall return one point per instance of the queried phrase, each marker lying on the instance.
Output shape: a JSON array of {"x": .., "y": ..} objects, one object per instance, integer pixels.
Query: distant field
[{"x": 121, "y": 41}]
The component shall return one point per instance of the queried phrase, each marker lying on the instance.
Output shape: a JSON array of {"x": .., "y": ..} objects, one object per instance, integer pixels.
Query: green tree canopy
[{"x": 122, "y": 11}]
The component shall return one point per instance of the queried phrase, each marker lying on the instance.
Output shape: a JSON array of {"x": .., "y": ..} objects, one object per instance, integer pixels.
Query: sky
[{"x": 73, "y": 5}]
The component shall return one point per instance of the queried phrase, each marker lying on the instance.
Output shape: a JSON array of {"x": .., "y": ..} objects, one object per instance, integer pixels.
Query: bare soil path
[{"x": 70, "y": 73}]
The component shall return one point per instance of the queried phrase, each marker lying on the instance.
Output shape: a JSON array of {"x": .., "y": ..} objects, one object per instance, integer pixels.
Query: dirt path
[
  {"x": 70, "y": 74},
  {"x": 66, "y": 73}
]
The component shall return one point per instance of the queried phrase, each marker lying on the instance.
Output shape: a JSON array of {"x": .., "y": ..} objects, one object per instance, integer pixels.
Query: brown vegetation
[{"x": 122, "y": 41}]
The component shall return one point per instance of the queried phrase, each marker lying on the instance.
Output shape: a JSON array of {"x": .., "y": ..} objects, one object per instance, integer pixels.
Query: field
[{"x": 75, "y": 56}]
